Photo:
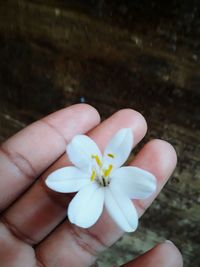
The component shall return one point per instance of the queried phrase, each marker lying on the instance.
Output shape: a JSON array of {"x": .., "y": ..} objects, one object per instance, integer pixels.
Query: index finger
[{"x": 28, "y": 153}]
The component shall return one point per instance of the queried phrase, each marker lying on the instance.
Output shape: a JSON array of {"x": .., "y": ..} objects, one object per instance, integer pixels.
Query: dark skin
[{"x": 33, "y": 231}]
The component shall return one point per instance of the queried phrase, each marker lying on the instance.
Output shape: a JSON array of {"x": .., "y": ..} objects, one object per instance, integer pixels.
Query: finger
[
  {"x": 40, "y": 209},
  {"x": 157, "y": 157},
  {"x": 83, "y": 245},
  {"x": 163, "y": 255},
  {"x": 28, "y": 153}
]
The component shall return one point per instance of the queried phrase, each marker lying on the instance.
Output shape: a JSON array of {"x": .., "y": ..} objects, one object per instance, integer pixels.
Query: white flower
[{"x": 100, "y": 181}]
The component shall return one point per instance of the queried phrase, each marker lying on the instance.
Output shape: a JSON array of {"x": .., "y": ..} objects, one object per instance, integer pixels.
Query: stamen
[
  {"x": 108, "y": 171},
  {"x": 98, "y": 161},
  {"x": 93, "y": 175},
  {"x": 111, "y": 155}
]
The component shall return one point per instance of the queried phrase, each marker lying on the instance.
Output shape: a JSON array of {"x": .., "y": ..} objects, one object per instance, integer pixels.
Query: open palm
[{"x": 33, "y": 228}]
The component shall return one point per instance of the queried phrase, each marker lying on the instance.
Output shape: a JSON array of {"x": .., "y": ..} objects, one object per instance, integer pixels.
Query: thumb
[{"x": 162, "y": 255}]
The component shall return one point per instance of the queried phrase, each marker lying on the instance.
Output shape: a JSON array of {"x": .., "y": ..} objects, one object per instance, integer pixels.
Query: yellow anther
[
  {"x": 98, "y": 161},
  {"x": 108, "y": 171},
  {"x": 93, "y": 175},
  {"x": 111, "y": 155}
]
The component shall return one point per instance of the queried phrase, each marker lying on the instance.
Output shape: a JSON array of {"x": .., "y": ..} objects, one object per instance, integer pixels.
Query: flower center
[{"x": 102, "y": 174}]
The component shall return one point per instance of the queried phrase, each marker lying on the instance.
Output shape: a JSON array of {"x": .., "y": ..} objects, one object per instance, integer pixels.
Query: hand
[{"x": 33, "y": 228}]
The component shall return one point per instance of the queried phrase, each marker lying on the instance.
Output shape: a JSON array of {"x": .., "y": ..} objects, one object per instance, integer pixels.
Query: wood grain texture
[{"x": 139, "y": 55}]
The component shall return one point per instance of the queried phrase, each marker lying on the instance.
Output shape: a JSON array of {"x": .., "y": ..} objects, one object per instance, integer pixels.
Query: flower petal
[
  {"x": 87, "y": 205},
  {"x": 119, "y": 148},
  {"x": 67, "y": 180},
  {"x": 134, "y": 182},
  {"x": 80, "y": 151},
  {"x": 121, "y": 209}
]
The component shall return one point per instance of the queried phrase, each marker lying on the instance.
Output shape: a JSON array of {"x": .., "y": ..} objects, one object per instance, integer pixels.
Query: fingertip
[
  {"x": 164, "y": 254},
  {"x": 80, "y": 117},
  {"x": 169, "y": 252},
  {"x": 88, "y": 109},
  {"x": 135, "y": 120},
  {"x": 166, "y": 146},
  {"x": 158, "y": 157},
  {"x": 164, "y": 152}
]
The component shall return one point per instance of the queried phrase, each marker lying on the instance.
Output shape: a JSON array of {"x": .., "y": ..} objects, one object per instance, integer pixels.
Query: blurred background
[{"x": 143, "y": 55}]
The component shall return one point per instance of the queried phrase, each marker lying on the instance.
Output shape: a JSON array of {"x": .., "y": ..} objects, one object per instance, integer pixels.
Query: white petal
[
  {"x": 87, "y": 205},
  {"x": 134, "y": 182},
  {"x": 120, "y": 147},
  {"x": 121, "y": 209},
  {"x": 67, "y": 180},
  {"x": 80, "y": 151}
]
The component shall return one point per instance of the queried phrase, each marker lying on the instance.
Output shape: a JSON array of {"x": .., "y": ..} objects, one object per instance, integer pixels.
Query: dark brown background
[{"x": 114, "y": 54}]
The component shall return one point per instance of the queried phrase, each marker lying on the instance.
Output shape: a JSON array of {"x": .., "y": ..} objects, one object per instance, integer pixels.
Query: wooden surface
[{"x": 143, "y": 55}]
